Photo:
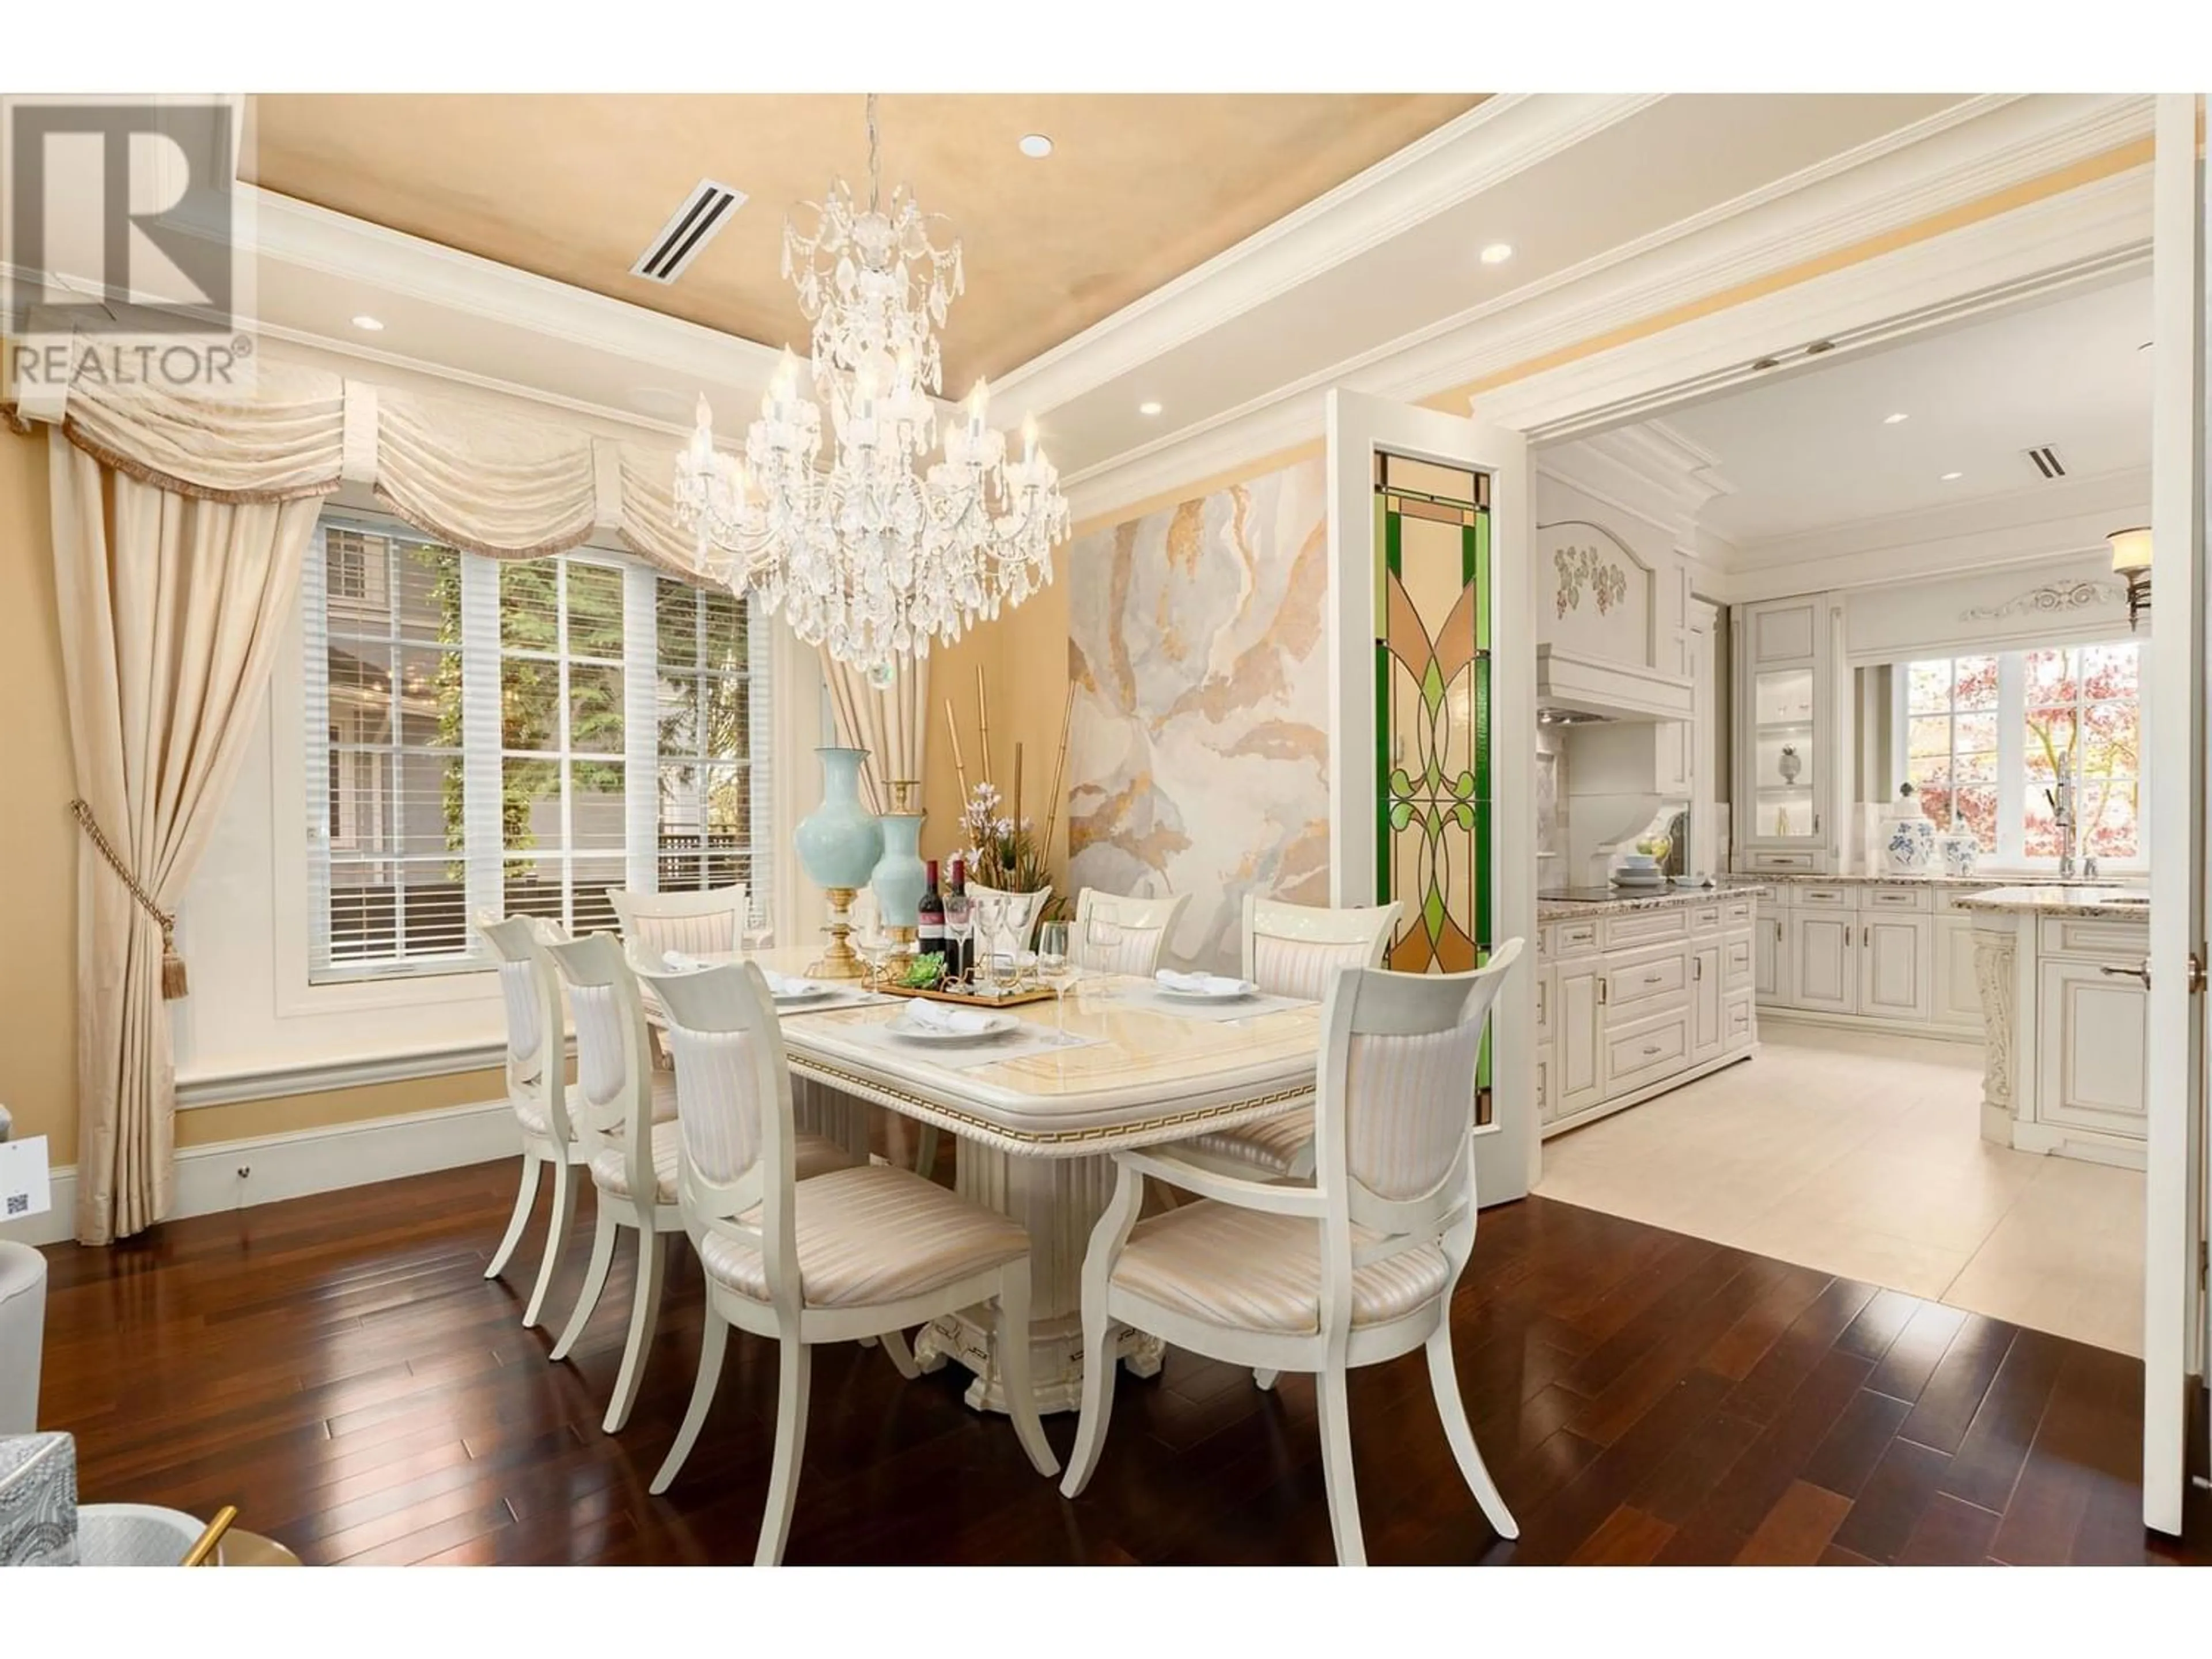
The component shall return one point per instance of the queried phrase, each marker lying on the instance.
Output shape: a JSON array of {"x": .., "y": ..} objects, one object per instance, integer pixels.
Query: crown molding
[
  {"x": 2090, "y": 233},
  {"x": 1649, "y": 472},
  {"x": 1504, "y": 134},
  {"x": 296, "y": 232}
]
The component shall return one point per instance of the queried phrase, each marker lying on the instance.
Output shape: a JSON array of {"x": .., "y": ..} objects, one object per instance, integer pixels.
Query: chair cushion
[
  {"x": 1246, "y": 1270},
  {"x": 873, "y": 1235},
  {"x": 1272, "y": 1146},
  {"x": 38, "y": 1501},
  {"x": 813, "y": 1155}
]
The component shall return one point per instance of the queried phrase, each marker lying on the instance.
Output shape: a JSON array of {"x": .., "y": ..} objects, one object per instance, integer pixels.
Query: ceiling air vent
[
  {"x": 2046, "y": 462},
  {"x": 689, "y": 228}
]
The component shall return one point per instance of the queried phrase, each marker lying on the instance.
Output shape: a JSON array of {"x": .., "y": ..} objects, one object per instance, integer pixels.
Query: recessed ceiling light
[
  {"x": 1891, "y": 420},
  {"x": 1148, "y": 407},
  {"x": 368, "y": 322},
  {"x": 1035, "y": 146},
  {"x": 1497, "y": 253},
  {"x": 1947, "y": 476}
]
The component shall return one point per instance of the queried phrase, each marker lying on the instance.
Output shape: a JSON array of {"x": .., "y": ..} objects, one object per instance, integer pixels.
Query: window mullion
[
  {"x": 2012, "y": 762},
  {"x": 640, "y": 730},
  {"x": 482, "y": 765}
]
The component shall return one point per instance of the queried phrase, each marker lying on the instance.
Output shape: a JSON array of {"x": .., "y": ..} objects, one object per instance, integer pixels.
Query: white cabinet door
[
  {"x": 2092, "y": 1036},
  {"x": 1897, "y": 958},
  {"x": 1958, "y": 993},
  {"x": 1548, "y": 1104},
  {"x": 1823, "y": 961},
  {"x": 1577, "y": 1079},
  {"x": 1707, "y": 1033},
  {"x": 1769, "y": 961}
]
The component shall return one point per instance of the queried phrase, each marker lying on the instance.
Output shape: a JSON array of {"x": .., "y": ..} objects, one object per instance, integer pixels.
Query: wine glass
[
  {"x": 758, "y": 929},
  {"x": 988, "y": 914},
  {"x": 1056, "y": 967},
  {"x": 875, "y": 947}
]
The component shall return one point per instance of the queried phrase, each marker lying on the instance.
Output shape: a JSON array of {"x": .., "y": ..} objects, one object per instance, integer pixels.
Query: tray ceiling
[{"x": 1138, "y": 188}]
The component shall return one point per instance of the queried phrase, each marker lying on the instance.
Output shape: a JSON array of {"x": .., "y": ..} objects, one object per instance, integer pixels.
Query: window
[
  {"x": 519, "y": 736},
  {"x": 1983, "y": 737}
]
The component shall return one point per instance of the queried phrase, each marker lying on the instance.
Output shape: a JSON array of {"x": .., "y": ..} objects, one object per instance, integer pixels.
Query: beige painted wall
[{"x": 37, "y": 874}]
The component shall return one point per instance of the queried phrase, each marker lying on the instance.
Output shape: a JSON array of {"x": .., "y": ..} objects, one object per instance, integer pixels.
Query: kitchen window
[
  {"x": 516, "y": 736},
  {"x": 1984, "y": 737}
]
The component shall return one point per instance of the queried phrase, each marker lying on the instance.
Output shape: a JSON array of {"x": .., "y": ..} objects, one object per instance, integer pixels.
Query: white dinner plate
[
  {"x": 1182, "y": 995},
  {"x": 995, "y": 1025},
  {"x": 811, "y": 994}
]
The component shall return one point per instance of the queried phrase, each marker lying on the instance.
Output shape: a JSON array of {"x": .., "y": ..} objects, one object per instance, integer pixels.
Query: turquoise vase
[
  {"x": 900, "y": 879},
  {"x": 840, "y": 842}
]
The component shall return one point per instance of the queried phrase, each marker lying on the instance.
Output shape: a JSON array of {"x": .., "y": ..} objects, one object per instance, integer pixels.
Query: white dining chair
[
  {"x": 1352, "y": 1268},
  {"x": 1294, "y": 951},
  {"x": 869, "y": 1251},
  {"x": 706, "y": 923},
  {"x": 537, "y": 1089},
  {"x": 623, "y": 1108},
  {"x": 1117, "y": 934}
]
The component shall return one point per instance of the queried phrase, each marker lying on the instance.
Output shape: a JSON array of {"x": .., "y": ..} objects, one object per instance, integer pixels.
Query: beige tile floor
[{"x": 1860, "y": 1154}]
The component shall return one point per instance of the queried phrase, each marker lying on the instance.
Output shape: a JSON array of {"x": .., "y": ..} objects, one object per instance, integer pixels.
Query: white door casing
[
  {"x": 1358, "y": 426},
  {"x": 2173, "y": 1207}
]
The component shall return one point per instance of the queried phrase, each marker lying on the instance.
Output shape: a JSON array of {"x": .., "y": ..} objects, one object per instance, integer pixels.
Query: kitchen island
[
  {"x": 2063, "y": 997},
  {"x": 1638, "y": 992}
]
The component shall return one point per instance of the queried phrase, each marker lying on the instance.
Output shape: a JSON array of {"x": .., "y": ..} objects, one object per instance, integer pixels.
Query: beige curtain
[
  {"x": 171, "y": 607},
  {"x": 888, "y": 723},
  {"x": 486, "y": 483}
]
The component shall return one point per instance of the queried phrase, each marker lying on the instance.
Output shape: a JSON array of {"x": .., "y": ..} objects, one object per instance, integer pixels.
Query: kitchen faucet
[{"x": 2061, "y": 818}]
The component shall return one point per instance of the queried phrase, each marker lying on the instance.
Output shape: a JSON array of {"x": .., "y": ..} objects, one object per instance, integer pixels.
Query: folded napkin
[
  {"x": 1212, "y": 985},
  {"x": 783, "y": 985},
  {"x": 679, "y": 963},
  {"x": 936, "y": 1017}
]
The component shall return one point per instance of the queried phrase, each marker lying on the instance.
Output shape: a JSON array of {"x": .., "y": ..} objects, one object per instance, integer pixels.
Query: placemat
[{"x": 1030, "y": 1039}]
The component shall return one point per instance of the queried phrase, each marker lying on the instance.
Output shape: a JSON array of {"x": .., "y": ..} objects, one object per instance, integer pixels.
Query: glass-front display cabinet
[{"x": 1783, "y": 695}]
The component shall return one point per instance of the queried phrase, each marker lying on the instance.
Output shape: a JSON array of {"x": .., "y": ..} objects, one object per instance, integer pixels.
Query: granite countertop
[
  {"x": 2076, "y": 900},
  {"x": 1626, "y": 899},
  {"x": 1798, "y": 878}
]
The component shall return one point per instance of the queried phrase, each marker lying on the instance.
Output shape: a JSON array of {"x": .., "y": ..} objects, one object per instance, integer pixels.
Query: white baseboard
[{"x": 235, "y": 1175}]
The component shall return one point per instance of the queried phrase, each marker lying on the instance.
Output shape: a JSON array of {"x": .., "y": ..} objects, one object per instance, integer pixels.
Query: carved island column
[{"x": 1995, "y": 944}]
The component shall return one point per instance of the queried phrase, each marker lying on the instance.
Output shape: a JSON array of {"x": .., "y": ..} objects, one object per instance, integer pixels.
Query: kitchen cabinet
[
  {"x": 1632, "y": 1003},
  {"x": 1896, "y": 957},
  {"x": 2089, "y": 1062},
  {"x": 1771, "y": 960},
  {"x": 1823, "y": 961},
  {"x": 1883, "y": 954},
  {"x": 1785, "y": 701}
]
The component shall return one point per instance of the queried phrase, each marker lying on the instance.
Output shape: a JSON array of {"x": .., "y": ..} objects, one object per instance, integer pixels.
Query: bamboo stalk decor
[
  {"x": 983, "y": 722},
  {"x": 959, "y": 766},
  {"x": 1059, "y": 776}
]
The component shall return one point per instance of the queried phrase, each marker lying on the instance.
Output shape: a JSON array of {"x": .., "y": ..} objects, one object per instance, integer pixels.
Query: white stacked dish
[{"x": 1638, "y": 870}]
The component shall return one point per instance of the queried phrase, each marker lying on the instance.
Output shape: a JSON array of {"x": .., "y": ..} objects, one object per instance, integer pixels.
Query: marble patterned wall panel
[{"x": 1198, "y": 754}]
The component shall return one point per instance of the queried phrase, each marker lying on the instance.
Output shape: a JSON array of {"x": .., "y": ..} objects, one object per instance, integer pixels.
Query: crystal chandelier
[{"x": 885, "y": 548}]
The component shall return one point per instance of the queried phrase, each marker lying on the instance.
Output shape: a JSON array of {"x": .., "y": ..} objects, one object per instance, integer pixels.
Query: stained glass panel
[{"x": 1433, "y": 615}]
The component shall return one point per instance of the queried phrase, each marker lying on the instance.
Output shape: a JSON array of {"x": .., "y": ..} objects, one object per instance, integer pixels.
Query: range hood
[{"x": 1591, "y": 687}]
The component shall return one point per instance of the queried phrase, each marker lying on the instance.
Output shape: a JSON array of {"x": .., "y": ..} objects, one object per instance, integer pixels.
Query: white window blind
[{"x": 518, "y": 737}]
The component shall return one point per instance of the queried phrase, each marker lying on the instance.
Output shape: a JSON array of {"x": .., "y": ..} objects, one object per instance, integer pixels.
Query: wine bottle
[
  {"x": 956, "y": 956},
  {"x": 930, "y": 914}
]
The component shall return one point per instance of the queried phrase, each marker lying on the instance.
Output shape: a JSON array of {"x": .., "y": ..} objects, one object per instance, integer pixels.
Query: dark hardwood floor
[{"x": 339, "y": 1369}]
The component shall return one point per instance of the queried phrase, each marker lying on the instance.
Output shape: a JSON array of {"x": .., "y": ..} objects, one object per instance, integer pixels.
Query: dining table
[{"x": 1038, "y": 1110}]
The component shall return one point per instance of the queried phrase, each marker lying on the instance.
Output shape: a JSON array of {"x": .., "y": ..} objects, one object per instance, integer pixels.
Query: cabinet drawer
[
  {"x": 1573, "y": 939},
  {"x": 1632, "y": 987},
  {"x": 1823, "y": 898},
  {"x": 1646, "y": 928},
  {"x": 1807, "y": 862},
  {"x": 1739, "y": 912},
  {"x": 2125, "y": 943},
  {"x": 1736, "y": 964},
  {"x": 1896, "y": 898},
  {"x": 1739, "y": 1023},
  {"x": 1651, "y": 1050},
  {"x": 1705, "y": 918}
]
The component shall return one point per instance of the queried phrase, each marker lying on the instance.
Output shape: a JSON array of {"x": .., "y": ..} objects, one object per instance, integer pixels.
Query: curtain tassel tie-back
[{"x": 173, "y": 965}]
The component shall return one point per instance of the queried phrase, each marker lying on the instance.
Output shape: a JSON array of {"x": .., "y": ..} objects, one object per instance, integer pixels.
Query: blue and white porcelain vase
[
  {"x": 900, "y": 878},
  {"x": 1908, "y": 836},
  {"x": 1959, "y": 849}
]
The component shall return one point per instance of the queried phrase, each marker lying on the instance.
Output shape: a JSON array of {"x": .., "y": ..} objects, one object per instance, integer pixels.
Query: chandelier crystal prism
[{"x": 883, "y": 549}]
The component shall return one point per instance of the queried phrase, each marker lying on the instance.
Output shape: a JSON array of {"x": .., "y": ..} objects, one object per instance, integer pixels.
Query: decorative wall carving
[
  {"x": 1608, "y": 582},
  {"x": 2053, "y": 598},
  {"x": 1993, "y": 976}
]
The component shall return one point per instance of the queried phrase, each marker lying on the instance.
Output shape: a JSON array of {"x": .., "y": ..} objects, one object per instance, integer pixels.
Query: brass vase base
[{"x": 839, "y": 960}]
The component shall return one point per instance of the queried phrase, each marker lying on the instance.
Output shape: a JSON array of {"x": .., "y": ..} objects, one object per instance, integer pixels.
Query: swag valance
[{"x": 483, "y": 480}]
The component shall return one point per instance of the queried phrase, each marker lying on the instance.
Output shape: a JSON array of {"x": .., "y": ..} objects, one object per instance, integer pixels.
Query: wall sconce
[{"x": 2131, "y": 559}]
